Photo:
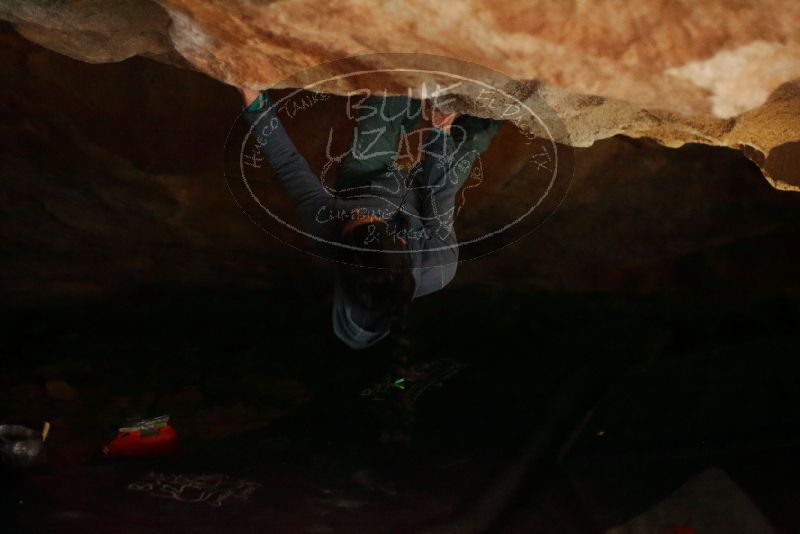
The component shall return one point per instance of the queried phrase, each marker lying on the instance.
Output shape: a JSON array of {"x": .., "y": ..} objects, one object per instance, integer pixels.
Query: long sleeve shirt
[{"x": 426, "y": 203}]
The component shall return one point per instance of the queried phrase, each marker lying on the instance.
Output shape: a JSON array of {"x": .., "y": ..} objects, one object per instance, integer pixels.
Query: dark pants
[{"x": 369, "y": 167}]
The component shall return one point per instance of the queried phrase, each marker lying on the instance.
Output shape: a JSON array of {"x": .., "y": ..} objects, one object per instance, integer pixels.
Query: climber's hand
[
  {"x": 443, "y": 120},
  {"x": 248, "y": 95}
]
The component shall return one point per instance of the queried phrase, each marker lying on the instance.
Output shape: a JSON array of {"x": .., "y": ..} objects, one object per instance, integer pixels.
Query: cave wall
[
  {"x": 716, "y": 72},
  {"x": 113, "y": 181}
]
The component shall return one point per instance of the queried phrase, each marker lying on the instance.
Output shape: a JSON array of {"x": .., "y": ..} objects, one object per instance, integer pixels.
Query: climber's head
[
  {"x": 374, "y": 290},
  {"x": 382, "y": 280}
]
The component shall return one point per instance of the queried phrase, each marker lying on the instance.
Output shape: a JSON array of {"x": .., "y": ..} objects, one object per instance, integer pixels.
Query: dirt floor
[{"x": 634, "y": 396}]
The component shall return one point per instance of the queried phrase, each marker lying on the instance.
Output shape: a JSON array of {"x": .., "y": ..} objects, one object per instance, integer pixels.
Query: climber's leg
[{"x": 379, "y": 124}]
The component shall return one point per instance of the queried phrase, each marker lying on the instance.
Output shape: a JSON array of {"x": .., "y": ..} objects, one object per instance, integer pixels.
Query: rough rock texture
[
  {"x": 97, "y": 31},
  {"x": 719, "y": 72},
  {"x": 89, "y": 209},
  {"x": 709, "y": 502}
]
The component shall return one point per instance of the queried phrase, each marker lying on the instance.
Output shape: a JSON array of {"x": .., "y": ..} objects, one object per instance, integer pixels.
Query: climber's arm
[
  {"x": 439, "y": 247},
  {"x": 290, "y": 167},
  {"x": 443, "y": 176}
]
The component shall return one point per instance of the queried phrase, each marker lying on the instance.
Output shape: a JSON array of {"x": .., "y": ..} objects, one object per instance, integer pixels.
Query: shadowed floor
[{"x": 679, "y": 390}]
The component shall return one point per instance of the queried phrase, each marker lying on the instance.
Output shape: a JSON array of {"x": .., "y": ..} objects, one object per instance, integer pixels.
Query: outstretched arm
[
  {"x": 290, "y": 167},
  {"x": 443, "y": 176},
  {"x": 451, "y": 156}
]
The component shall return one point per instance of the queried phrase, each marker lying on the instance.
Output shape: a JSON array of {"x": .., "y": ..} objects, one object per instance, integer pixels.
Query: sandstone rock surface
[
  {"x": 113, "y": 180},
  {"x": 718, "y": 72}
]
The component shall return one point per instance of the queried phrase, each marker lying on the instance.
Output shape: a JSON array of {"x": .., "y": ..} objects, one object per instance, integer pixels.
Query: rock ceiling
[{"x": 717, "y": 72}]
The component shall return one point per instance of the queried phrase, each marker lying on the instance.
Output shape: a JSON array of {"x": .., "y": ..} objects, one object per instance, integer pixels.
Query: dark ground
[{"x": 675, "y": 387}]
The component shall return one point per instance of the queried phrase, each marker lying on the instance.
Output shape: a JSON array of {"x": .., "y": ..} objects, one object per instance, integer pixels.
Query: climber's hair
[{"x": 383, "y": 279}]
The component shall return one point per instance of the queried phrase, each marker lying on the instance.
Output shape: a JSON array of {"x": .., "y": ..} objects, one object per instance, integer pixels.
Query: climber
[{"x": 396, "y": 240}]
